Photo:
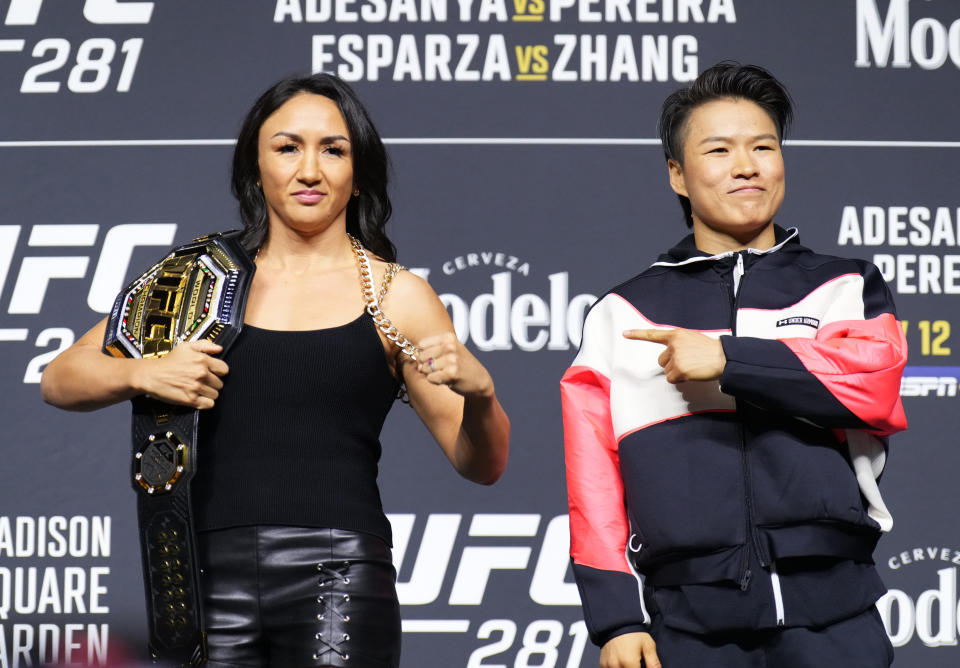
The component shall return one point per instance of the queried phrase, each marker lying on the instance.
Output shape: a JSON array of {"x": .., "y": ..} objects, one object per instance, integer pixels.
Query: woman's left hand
[
  {"x": 443, "y": 360},
  {"x": 468, "y": 422}
]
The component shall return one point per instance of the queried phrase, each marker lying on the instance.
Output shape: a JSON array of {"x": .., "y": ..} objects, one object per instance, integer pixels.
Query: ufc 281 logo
[
  {"x": 53, "y": 258},
  {"x": 454, "y": 574},
  {"x": 95, "y": 65}
]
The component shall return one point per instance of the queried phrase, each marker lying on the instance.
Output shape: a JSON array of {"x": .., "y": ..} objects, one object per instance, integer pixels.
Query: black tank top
[{"x": 294, "y": 438}]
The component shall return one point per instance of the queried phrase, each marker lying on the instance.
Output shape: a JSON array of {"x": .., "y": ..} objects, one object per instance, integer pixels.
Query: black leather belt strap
[{"x": 196, "y": 292}]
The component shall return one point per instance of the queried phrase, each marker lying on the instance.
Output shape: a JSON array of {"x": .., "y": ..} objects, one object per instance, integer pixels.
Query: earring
[
  {"x": 259, "y": 185},
  {"x": 356, "y": 192}
]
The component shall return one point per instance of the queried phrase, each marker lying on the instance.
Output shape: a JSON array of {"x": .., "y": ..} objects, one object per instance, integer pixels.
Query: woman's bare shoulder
[{"x": 414, "y": 306}]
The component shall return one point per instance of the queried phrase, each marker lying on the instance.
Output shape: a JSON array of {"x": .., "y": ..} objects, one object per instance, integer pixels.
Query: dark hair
[
  {"x": 367, "y": 213},
  {"x": 726, "y": 79}
]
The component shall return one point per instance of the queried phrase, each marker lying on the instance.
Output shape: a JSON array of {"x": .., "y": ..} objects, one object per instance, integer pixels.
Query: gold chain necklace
[{"x": 372, "y": 300}]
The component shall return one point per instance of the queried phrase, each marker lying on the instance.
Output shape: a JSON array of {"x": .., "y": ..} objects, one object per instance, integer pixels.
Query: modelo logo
[
  {"x": 927, "y": 42},
  {"x": 500, "y": 319},
  {"x": 933, "y": 616}
]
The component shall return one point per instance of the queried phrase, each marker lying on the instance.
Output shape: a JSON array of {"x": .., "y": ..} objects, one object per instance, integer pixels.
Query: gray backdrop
[{"x": 525, "y": 182}]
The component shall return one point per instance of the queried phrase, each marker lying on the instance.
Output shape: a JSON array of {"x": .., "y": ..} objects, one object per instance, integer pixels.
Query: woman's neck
[{"x": 296, "y": 252}]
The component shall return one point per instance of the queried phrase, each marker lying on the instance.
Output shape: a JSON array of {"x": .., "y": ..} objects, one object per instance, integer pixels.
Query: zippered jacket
[{"x": 674, "y": 484}]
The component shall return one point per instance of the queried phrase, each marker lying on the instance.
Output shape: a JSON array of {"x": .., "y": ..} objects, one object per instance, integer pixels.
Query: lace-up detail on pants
[
  {"x": 333, "y": 602},
  {"x": 297, "y": 596}
]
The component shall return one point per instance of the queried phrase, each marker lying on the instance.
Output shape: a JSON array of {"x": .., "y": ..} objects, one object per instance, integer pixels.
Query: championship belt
[{"x": 198, "y": 291}]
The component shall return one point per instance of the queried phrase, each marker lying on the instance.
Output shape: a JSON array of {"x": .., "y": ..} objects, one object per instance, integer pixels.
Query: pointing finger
[{"x": 652, "y": 335}]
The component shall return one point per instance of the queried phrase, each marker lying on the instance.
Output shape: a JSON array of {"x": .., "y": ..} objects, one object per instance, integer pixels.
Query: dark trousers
[
  {"x": 289, "y": 597},
  {"x": 857, "y": 642}
]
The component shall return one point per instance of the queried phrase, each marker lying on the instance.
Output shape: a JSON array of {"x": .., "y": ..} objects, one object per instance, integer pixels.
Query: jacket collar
[{"x": 686, "y": 252}]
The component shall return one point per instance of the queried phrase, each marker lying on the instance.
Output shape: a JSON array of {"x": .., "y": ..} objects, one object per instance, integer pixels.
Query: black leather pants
[{"x": 294, "y": 596}]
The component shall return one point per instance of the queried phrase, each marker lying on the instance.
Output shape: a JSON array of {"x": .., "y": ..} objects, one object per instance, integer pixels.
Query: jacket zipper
[
  {"x": 738, "y": 271},
  {"x": 738, "y": 274}
]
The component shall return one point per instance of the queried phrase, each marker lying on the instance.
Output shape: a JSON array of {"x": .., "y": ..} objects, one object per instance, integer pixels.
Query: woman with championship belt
[{"x": 292, "y": 541}]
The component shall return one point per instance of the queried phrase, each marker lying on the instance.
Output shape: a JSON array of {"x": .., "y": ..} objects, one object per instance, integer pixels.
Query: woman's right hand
[{"x": 188, "y": 375}]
